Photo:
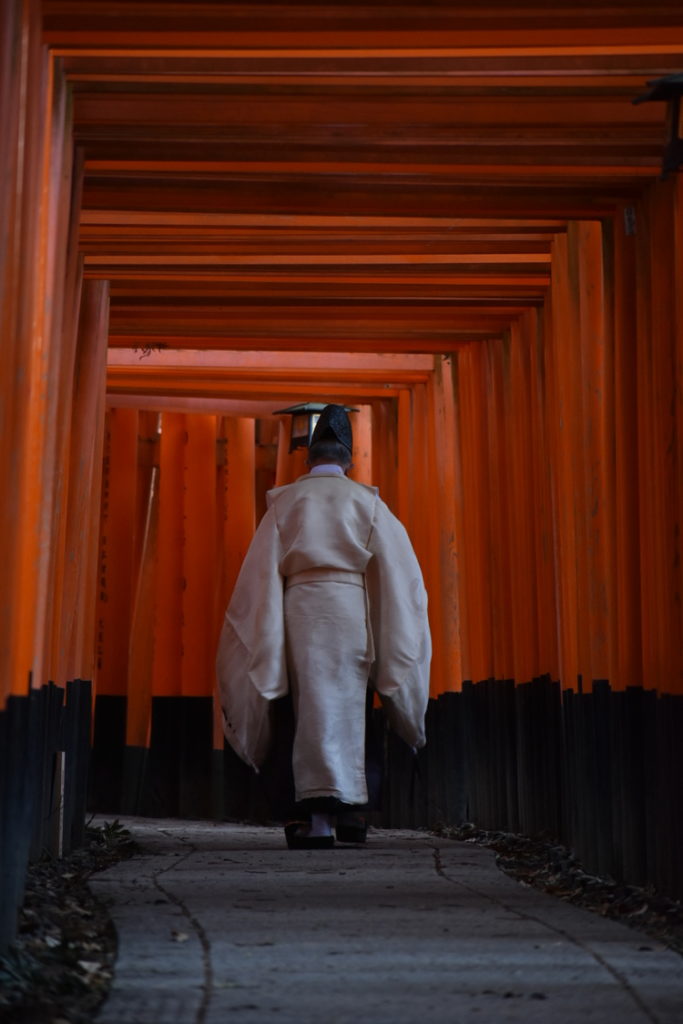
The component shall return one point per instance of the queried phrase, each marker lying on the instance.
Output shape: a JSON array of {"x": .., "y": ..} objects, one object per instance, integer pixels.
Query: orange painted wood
[
  {"x": 95, "y": 318},
  {"x": 436, "y": 162},
  {"x": 443, "y": 445},
  {"x": 178, "y": 71},
  {"x": 537, "y": 330},
  {"x": 428, "y": 519},
  {"x": 63, "y": 305},
  {"x": 266, "y": 431},
  {"x": 363, "y": 468},
  {"x": 12, "y": 116},
  {"x": 369, "y": 189},
  {"x": 410, "y": 18},
  {"x": 293, "y": 244},
  {"x": 211, "y": 383},
  {"x": 236, "y": 519},
  {"x": 20, "y": 98},
  {"x": 651, "y": 479},
  {"x": 198, "y": 379},
  {"x": 126, "y": 234},
  {"x": 141, "y": 640},
  {"x": 476, "y": 573},
  {"x": 418, "y": 514},
  {"x": 423, "y": 519},
  {"x": 236, "y": 499},
  {"x": 47, "y": 352},
  {"x": 101, "y": 221},
  {"x": 562, "y": 397},
  {"x": 358, "y": 365},
  {"x": 168, "y": 598},
  {"x": 503, "y": 493},
  {"x": 404, "y": 509},
  {"x": 41, "y": 355},
  {"x": 523, "y": 518},
  {"x": 66, "y": 309},
  {"x": 199, "y": 558},
  {"x": 458, "y": 500},
  {"x": 677, "y": 269},
  {"x": 384, "y": 454},
  {"x": 117, "y": 567},
  {"x": 147, "y": 465},
  {"x": 597, "y": 361},
  {"x": 629, "y": 656},
  {"x": 468, "y": 286},
  {"x": 371, "y": 196},
  {"x": 578, "y": 455},
  {"x": 290, "y": 465},
  {"x": 336, "y": 30},
  {"x": 658, "y": 408},
  {"x": 39, "y": 285},
  {"x": 77, "y": 653},
  {"x": 580, "y": 431}
]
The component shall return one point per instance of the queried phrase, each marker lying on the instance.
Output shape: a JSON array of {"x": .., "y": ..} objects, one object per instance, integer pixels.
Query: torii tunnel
[{"x": 451, "y": 217}]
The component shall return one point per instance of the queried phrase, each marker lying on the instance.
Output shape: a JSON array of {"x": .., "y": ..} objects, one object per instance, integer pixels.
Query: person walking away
[{"x": 329, "y": 600}]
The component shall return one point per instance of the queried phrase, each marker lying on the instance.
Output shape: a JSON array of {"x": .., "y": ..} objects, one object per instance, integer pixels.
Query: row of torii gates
[{"x": 452, "y": 218}]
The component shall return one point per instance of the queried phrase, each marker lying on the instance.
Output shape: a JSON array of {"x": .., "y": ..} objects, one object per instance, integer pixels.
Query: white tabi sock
[{"x": 321, "y": 825}]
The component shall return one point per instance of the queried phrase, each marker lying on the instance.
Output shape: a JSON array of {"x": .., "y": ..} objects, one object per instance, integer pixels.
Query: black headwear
[{"x": 333, "y": 425}]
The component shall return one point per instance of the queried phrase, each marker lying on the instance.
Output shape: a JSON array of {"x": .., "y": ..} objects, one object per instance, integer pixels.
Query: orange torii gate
[{"x": 456, "y": 224}]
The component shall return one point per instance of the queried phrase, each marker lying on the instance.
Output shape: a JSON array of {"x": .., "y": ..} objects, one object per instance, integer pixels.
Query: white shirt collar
[{"x": 326, "y": 469}]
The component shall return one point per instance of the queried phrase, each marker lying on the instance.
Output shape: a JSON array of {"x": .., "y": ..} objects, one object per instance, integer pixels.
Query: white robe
[{"x": 330, "y": 594}]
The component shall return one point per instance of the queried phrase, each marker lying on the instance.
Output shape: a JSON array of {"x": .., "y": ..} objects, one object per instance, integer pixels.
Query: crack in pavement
[
  {"x": 616, "y": 974},
  {"x": 207, "y": 984}
]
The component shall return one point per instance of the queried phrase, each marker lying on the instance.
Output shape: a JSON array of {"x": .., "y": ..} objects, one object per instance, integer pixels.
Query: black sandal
[{"x": 351, "y": 828}]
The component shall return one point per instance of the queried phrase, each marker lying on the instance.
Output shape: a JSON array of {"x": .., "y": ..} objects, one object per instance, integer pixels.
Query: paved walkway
[{"x": 221, "y": 924}]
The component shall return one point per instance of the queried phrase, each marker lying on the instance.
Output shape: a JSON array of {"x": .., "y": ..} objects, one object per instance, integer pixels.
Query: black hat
[{"x": 333, "y": 425}]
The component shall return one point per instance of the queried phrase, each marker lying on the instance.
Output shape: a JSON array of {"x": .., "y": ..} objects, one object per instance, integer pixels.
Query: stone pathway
[{"x": 221, "y": 924}]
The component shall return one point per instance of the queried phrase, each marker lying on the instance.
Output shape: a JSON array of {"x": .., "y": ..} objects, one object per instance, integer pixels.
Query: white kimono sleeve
[
  {"x": 400, "y": 627},
  {"x": 250, "y": 663}
]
